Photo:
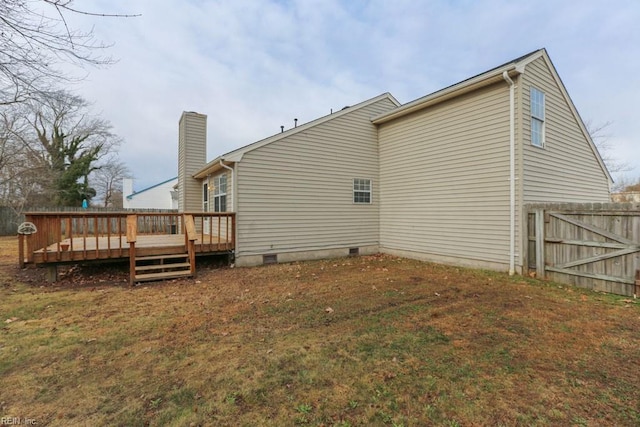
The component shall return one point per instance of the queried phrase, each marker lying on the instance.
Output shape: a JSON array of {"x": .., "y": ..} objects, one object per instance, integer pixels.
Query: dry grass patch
[{"x": 357, "y": 341}]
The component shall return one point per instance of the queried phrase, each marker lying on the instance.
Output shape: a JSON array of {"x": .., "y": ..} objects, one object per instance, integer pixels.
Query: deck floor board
[{"x": 104, "y": 247}]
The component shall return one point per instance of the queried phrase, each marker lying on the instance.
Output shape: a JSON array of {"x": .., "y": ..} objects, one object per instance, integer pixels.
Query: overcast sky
[{"x": 252, "y": 66}]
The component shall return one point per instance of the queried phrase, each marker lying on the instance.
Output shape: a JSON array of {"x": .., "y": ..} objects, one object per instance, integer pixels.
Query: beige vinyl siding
[
  {"x": 192, "y": 153},
  {"x": 566, "y": 169},
  {"x": 444, "y": 175},
  {"x": 296, "y": 194}
]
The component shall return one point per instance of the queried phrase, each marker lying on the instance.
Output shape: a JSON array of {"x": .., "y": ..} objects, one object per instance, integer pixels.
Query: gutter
[
  {"x": 445, "y": 94},
  {"x": 512, "y": 174}
]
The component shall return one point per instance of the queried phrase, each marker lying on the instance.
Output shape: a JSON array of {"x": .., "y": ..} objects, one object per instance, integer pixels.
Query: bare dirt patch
[{"x": 374, "y": 340}]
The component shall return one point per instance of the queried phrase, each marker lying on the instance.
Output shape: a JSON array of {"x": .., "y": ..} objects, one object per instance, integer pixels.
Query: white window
[
  {"x": 361, "y": 190},
  {"x": 537, "y": 117},
  {"x": 205, "y": 197},
  {"x": 220, "y": 194}
]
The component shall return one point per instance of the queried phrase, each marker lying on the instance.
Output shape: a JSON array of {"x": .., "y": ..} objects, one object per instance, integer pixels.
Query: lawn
[{"x": 372, "y": 340}]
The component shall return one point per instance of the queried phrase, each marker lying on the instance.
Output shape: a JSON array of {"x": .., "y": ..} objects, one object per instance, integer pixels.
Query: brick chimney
[{"x": 192, "y": 155}]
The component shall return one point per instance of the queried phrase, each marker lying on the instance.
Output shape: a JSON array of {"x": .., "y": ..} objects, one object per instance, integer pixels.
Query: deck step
[
  {"x": 163, "y": 266},
  {"x": 159, "y": 257},
  {"x": 162, "y": 276}
]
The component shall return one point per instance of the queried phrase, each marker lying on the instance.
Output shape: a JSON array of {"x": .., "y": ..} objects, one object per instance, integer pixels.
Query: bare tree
[
  {"x": 56, "y": 145},
  {"x": 107, "y": 180},
  {"x": 627, "y": 184},
  {"x": 602, "y": 140},
  {"x": 36, "y": 39},
  {"x": 20, "y": 166}
]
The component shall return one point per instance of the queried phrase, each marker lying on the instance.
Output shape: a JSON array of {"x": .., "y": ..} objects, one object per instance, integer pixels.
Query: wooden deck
[
  {"x": 79, "y": 249},
  {"x": 66, "y": 237}
]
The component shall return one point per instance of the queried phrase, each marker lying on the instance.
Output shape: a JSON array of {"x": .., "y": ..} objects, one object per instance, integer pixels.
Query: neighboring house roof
[
  {"x": 626, "y": 197},
  {"x": 135, "y": 193},
  {"x": 236, "y": 155}
]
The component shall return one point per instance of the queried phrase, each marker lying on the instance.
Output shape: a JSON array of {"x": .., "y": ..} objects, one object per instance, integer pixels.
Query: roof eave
[
  {"x": 448, "y": 93},
  {"x": 236, "y": 155},
  {"x": 213, "y": 167}
]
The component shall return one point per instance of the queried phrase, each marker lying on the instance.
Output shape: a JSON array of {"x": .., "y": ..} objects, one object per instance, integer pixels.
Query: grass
[{"x": 359, "y": 341}]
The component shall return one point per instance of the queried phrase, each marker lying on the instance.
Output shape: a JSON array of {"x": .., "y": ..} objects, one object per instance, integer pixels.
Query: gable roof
[
  {"x": 575, "y": 113},
  {"x": 135, "y": 193},
  {"x": 486, "y": 78},
  {"x": 236, "y": 155},
  {"x": 514, "y": 67}
]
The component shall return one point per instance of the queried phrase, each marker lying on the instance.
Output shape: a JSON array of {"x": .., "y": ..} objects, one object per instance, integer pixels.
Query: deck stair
[{"x": 162, "y": 267}]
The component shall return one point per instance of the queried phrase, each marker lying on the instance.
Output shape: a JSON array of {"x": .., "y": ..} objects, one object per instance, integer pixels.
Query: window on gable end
[{"x": 537, "y": 117}]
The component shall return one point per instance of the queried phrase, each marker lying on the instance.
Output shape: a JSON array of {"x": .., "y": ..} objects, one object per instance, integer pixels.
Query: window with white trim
[
  {"x": 205, "y": 197},
  {"x": 220, "y": 193},
  {"x": 361, "y": 190},
  {"x": 537, "y": 117}
]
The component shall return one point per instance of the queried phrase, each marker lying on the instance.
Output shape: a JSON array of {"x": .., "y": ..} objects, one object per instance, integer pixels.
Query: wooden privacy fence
[{"x": 593, "y": 245}]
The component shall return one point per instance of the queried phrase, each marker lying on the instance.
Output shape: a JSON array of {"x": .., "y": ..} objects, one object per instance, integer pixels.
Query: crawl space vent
[{"x": 270, "y": 259}]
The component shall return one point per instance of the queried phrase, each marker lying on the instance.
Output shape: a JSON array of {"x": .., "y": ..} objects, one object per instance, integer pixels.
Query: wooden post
[
  {"x": 132, "y": 263},
  {"x": 190, "y": 236},
  {"x": 21, "y": 250},
  {"x": 540, "y": 230},
  {"x": 69, "y": 230},
  {"x": 233, "y": 232},
  {"x": 192, "y": 257},
  {"x": 132, "y": 235},
  {"x": 52, "y": 273}
]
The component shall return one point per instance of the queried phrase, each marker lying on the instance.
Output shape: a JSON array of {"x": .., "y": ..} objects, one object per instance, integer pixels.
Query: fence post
[{"x": 540, "y": 234}]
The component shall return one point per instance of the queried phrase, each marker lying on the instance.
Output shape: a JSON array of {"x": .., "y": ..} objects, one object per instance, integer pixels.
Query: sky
[{"x": 252, "y": 66}]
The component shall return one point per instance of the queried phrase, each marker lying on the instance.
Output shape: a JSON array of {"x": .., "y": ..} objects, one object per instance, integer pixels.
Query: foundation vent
[{"x": 270, "y": 259}]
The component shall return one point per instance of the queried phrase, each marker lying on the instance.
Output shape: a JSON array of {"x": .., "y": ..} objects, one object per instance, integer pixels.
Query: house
[
  {"x": 443, "y": 178},
  {"x": 159, "y": 196},
  {"x": 626, "y": 197}
]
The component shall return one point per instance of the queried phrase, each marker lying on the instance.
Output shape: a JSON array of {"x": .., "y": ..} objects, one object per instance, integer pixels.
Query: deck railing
[
  {"x": 215, "y": 230},
  {"x": 99, "y": 235}
]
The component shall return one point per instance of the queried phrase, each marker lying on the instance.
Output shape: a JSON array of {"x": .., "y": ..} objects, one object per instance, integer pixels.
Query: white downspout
[
  {"x": 512, "y": 175},
  {"x": 233, "y": 205}
]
